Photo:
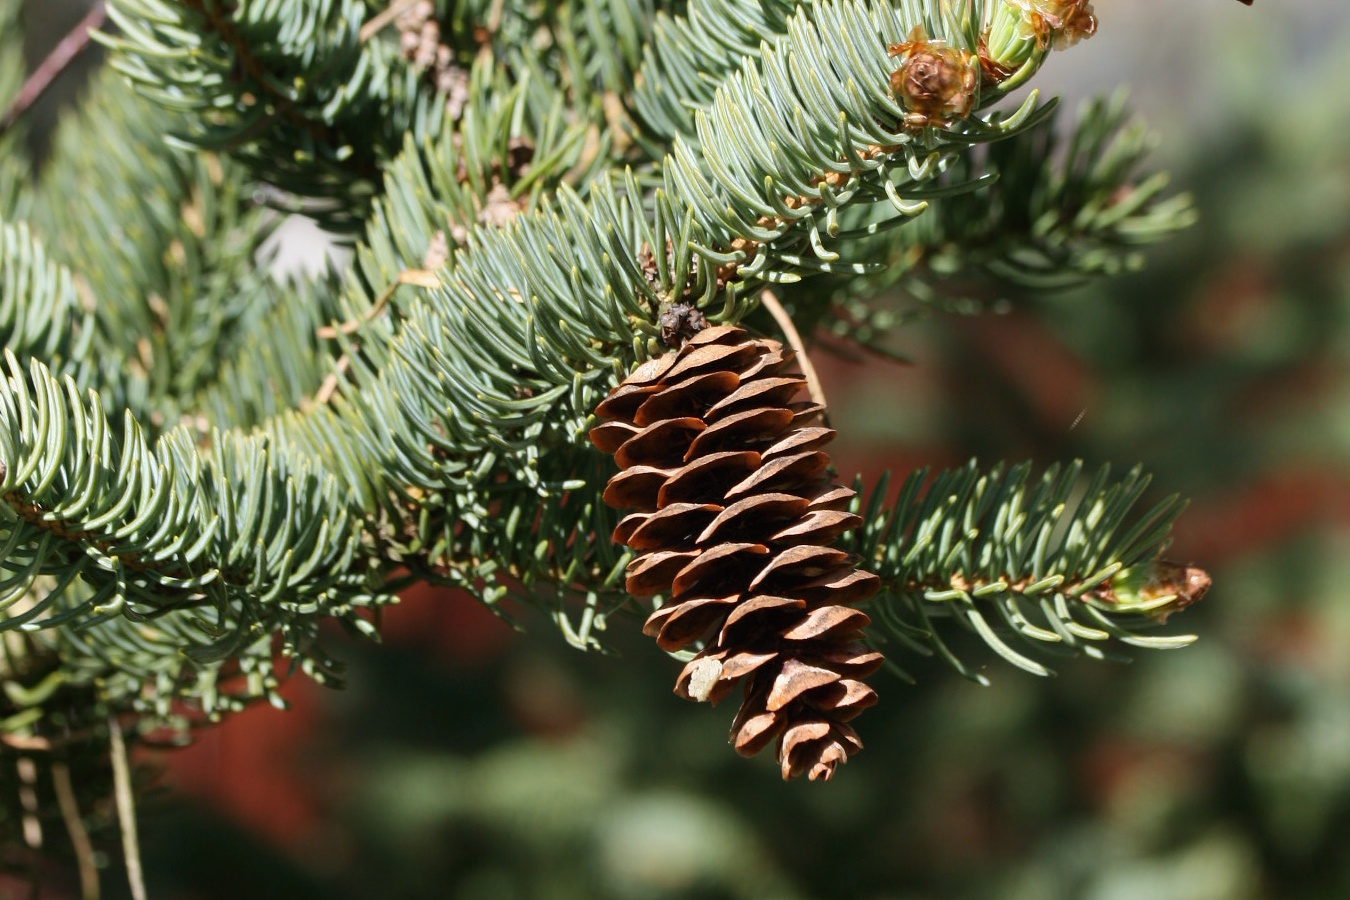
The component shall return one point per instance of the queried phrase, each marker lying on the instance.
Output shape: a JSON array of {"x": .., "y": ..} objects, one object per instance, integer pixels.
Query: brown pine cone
[{"x": 735, "y": 517}]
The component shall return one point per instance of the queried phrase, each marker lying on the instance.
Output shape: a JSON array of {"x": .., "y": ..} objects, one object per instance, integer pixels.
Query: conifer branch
[
  {"x": 1024, "y": 564},
  {"x": 253, "y": 89},
  {"x": 1063, "y": 210},
  {"x": 165, "y": 538},
  {"x": 218, "y": 20},
  {"x": 481, "y": 394}
]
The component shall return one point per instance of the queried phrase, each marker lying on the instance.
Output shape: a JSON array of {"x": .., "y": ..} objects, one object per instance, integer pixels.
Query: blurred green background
[{"x": 465, "y": 761}]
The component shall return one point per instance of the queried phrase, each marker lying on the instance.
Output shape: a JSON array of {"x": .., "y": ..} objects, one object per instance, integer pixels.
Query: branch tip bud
[{"x": 937, "y": 84}]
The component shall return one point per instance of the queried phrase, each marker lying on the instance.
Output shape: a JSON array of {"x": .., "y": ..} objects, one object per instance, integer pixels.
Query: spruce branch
[
  {"x": 483, "y": 393},
  {"x": 688, "y": 54},
  {"x": 1038, "y": 215},
  {"x": 41, "y": 313},
  {"x": 173, "y": 551},
  {"x": 525, "y": 277},
  {"x": 691, "y": 53},
  {"x": 1054, "y": 565},
  {"x": 1065, "y": 209},
  {"x": 289, "y": 89},
  {"x": 511, "y": 146},
  {"x": 196, "y": 562},
  {"x": 164, "y": 256},
  {"x": 15, "y": 172}
]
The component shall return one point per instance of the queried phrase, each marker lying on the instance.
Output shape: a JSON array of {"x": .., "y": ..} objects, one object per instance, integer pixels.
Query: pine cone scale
[
  {"x": 612, "y": 435},
  {"x": 849, "y": 587},
  {"x": 800, "y": 440},
  {"x": 827, "y": 621},
  {"x": 651, "y": 574},
  {"x": 757, "y": 394},
  {"x": 724, "y": 356},
  {"x": 817, "y": 527},
  {"x": 722, "y": 564},
  {"x": 754, "y": 607},
  {"x": 661, "y": 445},
  {"x": 624, "y": 401},
  {"x": 709, "y": 479},
  {"x": 794, "y": 679},
  {"x": 690, "y": 621},
  {"x": 637, "y": 486},
  {"x": 832, "y": 497},
  {"x": 741, "y": 429},
  {"x": 743, "y": 514},
  {"x": 676, "y": 524},
  {"x": 783, "y": 474},
  {"x": 686, "y": 398}
]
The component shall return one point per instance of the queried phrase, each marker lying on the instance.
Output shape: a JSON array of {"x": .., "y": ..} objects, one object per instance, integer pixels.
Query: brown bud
[
  {"x": 679, "y": 322},
  {"x": 935, "y": 83},
  {"x": 1062, "y": 23},
  {"x": 992, "y": 72},
  {"x": 1188, "y": 584},
  {"x": 438, "y": 252},
  {"x": 1158, "y": 590},
  {"x": 519, "y": 155}
]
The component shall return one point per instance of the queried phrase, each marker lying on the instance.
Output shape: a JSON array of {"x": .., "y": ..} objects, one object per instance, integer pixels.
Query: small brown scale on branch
[
  {"x": 1061, "y": 23},
  {"x": 1179, "y": 585},
  {"x": 420, "y": 42},
  {"x": 735, "y": 518},
  {"x": 937, "y": 84}
]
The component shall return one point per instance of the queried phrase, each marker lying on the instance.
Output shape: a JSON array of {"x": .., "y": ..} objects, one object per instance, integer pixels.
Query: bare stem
[
  {"x": 79, "y": 837},
  {"x": 56, "y": 62},
  {"x": 126, "y": 809},
  {"x": 420, "y": 277},
  {"x": 813, "y": 385},
  {"x": 24, "y": 742},
  {"x": 384, "y": 17}
]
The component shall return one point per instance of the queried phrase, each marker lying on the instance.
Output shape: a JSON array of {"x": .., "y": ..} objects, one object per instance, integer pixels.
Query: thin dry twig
[
  {"x": 378, "y": 22},
  {"x": 126, "y": 809},
  {"x": 775, "y": 308},
  {"x": 56, "y": 62},
  {"x": 330, "y": 384},
  {"x": 24, "y": 742},
  {"x": 36, "y": 744},
  {"x": 419, "y": 277},
  {"x": 79, "y": 837}
]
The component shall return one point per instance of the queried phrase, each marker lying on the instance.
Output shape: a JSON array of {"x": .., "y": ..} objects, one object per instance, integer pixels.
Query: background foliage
[{"x": 522, "y": 769}]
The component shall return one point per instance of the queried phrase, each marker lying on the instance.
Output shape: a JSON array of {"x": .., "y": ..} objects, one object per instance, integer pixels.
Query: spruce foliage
[{"x": 202, "y": 462}]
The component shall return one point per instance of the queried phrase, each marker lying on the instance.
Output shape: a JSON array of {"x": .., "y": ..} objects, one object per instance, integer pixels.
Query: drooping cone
[{"x": 735, "y": 518}]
